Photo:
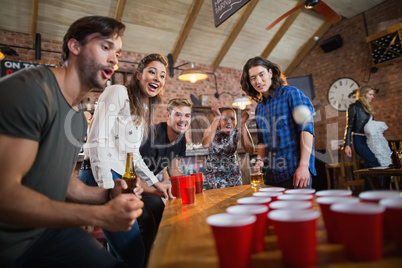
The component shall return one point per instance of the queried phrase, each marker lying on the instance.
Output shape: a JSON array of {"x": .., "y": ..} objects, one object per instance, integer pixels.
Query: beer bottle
[
  {"x": 130, "y": 177},
  {"x": 395, "y": 156}
]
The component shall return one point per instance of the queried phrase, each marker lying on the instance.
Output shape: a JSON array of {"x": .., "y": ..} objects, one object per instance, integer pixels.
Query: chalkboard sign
[
  {"x": 223, "y": 9},
  {"x": 10, "y": 66}
]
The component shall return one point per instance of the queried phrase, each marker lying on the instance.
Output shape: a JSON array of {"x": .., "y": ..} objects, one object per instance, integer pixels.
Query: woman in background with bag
[{"x": 357, "y": 116}]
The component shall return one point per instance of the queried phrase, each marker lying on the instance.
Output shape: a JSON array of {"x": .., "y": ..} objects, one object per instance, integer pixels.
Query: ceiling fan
[{"x": 317, "y": 5}]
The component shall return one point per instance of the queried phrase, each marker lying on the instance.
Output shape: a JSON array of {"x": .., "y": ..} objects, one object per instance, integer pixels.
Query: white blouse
[{"x": 112, "y": 134}]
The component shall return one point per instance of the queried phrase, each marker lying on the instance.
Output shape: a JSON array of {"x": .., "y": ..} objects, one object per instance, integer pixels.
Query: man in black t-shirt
[{"x": 165, "y": 147}]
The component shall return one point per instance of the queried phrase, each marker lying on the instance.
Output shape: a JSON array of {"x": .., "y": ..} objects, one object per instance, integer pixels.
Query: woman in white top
[{"x": 118, "y": 126}]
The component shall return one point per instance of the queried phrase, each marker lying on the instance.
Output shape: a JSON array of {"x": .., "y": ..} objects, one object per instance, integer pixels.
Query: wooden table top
[
  {"x": 379, "y": 172},
  {"x": 185, "y": 239}
]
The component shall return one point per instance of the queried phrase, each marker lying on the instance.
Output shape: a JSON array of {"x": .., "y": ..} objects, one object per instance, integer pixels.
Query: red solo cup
[
  {"x": 296, "y": 233},
  {"x": 272, "y": 195},
  {"x": 252, "y": 200},
  {"x": 393, "y": 219},
  {"x": 272, "y": 189},
  {"x": 187, "y": 189},
  {"x": 328, "y": 216},
  {"x": 175, "y": 186},
  {"x": 290, "y": 205},
  {"x": 376, "y": 195},
  {"x": 297, "y": 197},
  {"x": 198, "y": 182},
  {"x": 335, "y": 192},
  {"x": 233, "y": 238},
  {"x": 300, "y": 191},
  {"x": 260, "y": 229},
  {"x": 362, "y": 229}
]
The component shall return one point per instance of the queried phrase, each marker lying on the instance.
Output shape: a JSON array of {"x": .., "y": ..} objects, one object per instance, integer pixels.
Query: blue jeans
[
  {"x": 66, "y": 247},
  {"x": 128, "y": 246},
  {"x": 288, "y": 184},
  {"x": 361, "y": 148}
]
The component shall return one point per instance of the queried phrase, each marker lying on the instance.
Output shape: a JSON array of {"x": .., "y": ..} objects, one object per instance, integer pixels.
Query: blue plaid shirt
[{"x": 281, "y": 134}]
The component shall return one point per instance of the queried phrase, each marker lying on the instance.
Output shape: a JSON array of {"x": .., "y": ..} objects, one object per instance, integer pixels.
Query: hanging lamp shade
[
  {"x": 242, "y": 102},
  {"x": 192, "y": 75}
]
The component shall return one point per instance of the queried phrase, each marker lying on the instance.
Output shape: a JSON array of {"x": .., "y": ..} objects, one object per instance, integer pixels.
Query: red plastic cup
[
  {"x": 393, "y": 219},
  {"x": 376, "y": 195},
  {"x": 260, "y": 229},
  {"x": 292, "y": 205},
  {"x": 233, "y": 238},
  {"x": 300, "y": 191},
  {"x": 187, "y": 189},
  {"x": 252, "y": 200},
  {"x": 296, "y": 236},
  {"x": 272, "y": 195},
  {"x": 297, "y": 197},
  {"x": 272, "y": 189},
  {"x": 362, "y": 229},
  {"x": 328, "y": 216},
  {"x": 198, "y": 182},
  {"x": 334, "y": 193},
  {"x": 175, "y": 186}
]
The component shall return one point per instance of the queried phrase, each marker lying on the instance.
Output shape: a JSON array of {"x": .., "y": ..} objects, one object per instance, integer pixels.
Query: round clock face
[{"x": 340, "y": 93}]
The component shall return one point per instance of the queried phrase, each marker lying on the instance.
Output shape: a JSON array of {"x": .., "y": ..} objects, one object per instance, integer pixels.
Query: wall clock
[{"x": 339, "y": 93}]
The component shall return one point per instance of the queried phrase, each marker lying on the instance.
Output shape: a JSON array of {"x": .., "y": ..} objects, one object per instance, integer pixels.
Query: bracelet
[{"x": 107, "y": 195}]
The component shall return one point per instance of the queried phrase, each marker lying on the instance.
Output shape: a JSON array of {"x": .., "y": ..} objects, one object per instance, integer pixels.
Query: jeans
[
  {"x": 361, "y": 148},
  {"x": 127, "y": 246},
  {"x": 66, "y": 247},
  {"x": 288, "y": 184},
  {"x": 149, "y": 221}
]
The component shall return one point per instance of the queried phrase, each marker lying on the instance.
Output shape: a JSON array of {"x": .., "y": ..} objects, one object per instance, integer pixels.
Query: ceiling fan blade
[
  {"x": 327, "y": 12},
  {"x": 284, "y": 16}
]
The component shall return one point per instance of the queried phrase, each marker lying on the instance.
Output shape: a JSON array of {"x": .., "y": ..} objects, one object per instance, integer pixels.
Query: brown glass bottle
[
  {"x": 129, "y": 176},
  {"x": 396, "y": 162}
]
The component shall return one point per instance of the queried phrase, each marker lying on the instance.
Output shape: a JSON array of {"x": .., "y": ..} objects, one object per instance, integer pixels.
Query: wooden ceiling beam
[
  {"x": 233, "y": 34},
  {"x": 281, "y": 32},
  {"x": 118, "y": 14},
  {"x": 187, "y": 26},
  {"x": 34, "y": 21},
  {"x": 307, "y": 47}
]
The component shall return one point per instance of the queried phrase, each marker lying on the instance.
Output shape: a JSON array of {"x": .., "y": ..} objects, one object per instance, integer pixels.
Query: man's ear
[{"x": 74, "y": 46}]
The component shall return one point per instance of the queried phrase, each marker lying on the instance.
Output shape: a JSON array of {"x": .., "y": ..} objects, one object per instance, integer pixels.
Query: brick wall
[{"x": 351, "y": 60}]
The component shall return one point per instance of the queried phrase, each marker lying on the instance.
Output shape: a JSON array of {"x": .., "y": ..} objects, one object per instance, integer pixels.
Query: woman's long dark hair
[
  {"x": 137, "y": 96},
  {"x": 277, "y": 80}
]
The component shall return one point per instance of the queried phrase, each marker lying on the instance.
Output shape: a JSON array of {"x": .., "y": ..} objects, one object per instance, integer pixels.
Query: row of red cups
[
  {"x": 240, "y": 232},
  {"x": 294, "y": 221},
  {"x": 186, "y": 187},
  {"x": 361, "y": 224}
]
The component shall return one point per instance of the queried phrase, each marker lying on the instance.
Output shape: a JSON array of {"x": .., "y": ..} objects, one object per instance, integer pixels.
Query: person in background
[
  {"x": 42, "y": 127},
  {"x": 221, "y": 138},
  {"x": 118, "y": 126},
  {"x": 357, "y": 116},
  {"x": 287, "y": 147},
  {"x": 165, "y": 146}
]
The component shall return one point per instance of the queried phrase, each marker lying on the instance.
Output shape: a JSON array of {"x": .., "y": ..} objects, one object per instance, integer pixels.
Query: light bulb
[{"x": 193, "y": 79}]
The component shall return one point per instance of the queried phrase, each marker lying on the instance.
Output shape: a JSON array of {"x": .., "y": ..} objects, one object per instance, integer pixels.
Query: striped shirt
[{"x": 281, "y": 134}]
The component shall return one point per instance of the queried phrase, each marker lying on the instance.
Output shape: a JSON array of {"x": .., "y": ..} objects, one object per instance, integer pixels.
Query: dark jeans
[
  {"x": 149, "y": 221},
  {"x": 127, "y": 246},
  {"x": 67, "y": 247},
  {"x": 361, "y": 148},
  {"x": 288, "y": 184}
]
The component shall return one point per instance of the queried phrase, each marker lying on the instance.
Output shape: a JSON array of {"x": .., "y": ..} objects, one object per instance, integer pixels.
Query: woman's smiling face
[
  {"x": 152, "y": 79},
  {"x": 228, "y": 121}
]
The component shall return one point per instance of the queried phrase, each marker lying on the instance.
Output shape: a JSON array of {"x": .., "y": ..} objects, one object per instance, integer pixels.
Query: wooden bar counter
[{"x": 185, "y": 239}]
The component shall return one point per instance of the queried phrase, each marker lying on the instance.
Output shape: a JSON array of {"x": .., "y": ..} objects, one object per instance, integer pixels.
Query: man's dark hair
[{"x": 86, "y": 26}]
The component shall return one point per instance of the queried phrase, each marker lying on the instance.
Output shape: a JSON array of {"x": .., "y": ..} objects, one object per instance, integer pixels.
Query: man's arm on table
[{"x": 22, "y": 206}]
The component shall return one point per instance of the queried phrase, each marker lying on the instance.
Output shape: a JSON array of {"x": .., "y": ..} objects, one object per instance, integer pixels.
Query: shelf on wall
[{"x": 386, "y": 46}]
